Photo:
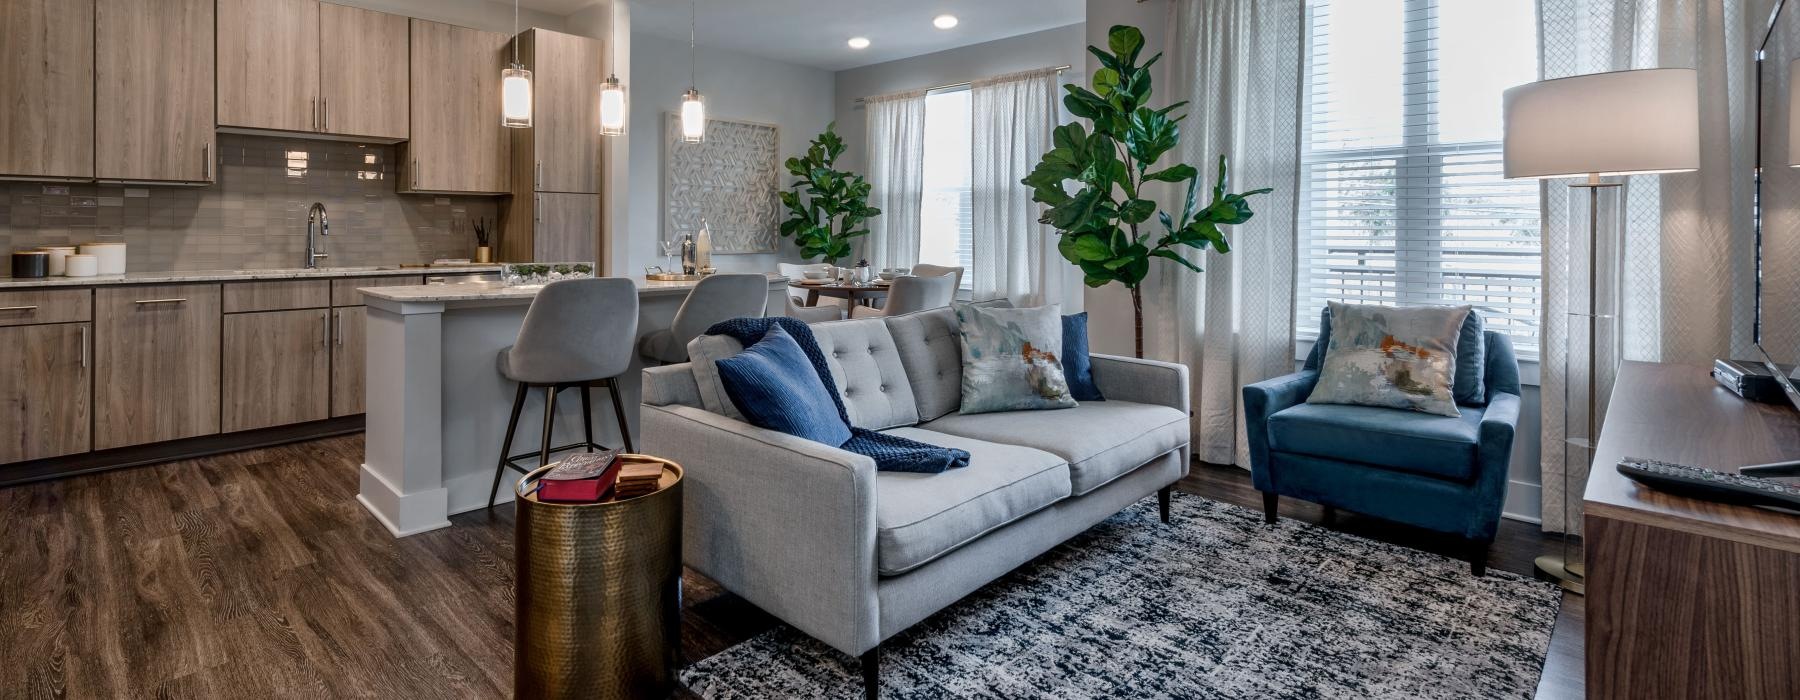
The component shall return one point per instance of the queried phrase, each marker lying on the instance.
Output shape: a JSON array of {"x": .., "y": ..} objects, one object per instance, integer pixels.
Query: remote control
[{"x": 1710, "y": 485}]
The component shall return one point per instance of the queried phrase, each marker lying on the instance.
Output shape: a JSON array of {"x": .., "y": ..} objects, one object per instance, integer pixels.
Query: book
[
  {"x": 637, "y": 479},
  {"x": 582, "y": 478}
]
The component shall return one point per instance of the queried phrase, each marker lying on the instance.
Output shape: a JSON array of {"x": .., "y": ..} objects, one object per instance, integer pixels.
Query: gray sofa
[{"x": 815, "y": 536}]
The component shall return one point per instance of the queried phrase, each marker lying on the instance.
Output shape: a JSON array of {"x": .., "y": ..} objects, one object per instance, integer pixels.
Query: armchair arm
[
  {"x": 787, "y": 523},
  {"x": 1264, "y": 399},
  {"x": 1142, "y": 381},
  {"x": 1493, "y": 460}
]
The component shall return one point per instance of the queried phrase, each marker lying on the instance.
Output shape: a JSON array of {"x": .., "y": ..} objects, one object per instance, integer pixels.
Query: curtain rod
[{"x": 965, "y": 83}]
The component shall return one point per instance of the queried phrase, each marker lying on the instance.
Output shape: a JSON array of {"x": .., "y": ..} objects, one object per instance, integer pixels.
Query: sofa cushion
[
  {"x": 1421, "y": 443},
  {"x": 1101, "y": 441},
  {"x": 931, "y": 351},
  {"x": 703, "y": 353},
  {"x": 920, "y": 517},
  {"x": 864, "y": 363},
  {"x": 775, "y": 386}
]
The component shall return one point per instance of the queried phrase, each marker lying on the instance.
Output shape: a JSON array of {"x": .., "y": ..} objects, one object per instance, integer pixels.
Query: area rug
[{"x": 1214, "y": 605}]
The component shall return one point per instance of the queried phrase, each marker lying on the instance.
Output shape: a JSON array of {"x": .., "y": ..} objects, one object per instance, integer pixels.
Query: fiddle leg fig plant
[
  {"x": 1099, "y": 225},
  {"x": 827, "y": 207}
]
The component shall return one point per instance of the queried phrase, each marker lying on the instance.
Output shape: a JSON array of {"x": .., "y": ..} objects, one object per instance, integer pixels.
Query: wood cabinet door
[
  {"x": 47, "y": 88},
  {"x": 349, "y": 360},
  {"x": 153, "y": 90},
  {"x": 156, "y": 363},
  {"x": 363, "y": 72},
  {"x": 566, "y": 227},
  {"x": 277, "y": 369},
  {"x": 269, "y": 64},
  {"x": 566, "y": 112},
  {"x": 457, "y": 143},
  {"x": 44, "y": 392}
]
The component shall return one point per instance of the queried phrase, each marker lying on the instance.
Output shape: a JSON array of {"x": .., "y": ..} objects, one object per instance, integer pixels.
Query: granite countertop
[
  {"x": 495, "y": 291},
  {"x": 181, "y": 276}
]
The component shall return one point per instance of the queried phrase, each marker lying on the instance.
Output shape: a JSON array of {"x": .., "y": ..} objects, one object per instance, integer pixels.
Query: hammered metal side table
[{"x": 599, "y": 593}]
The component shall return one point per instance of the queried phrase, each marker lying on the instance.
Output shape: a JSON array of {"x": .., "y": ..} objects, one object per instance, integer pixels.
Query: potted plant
[
  {"x": 484, "y": 238},
  {"x": 1099, "y": 225},
  {"x": 827, "y": 207}
]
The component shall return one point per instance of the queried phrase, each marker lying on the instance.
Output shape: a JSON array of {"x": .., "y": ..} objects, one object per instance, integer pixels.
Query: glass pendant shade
[
  {"x": 515, "y": 93},
  {"x": 693, "y": 117},
  {"x": 612, "y": 107}
]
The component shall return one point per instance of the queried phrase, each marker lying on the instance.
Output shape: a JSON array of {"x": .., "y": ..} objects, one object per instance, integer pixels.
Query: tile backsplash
[{"x": 255, "y": 215}]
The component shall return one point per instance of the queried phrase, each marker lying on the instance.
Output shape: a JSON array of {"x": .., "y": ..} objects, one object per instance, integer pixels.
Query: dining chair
[
  {"x": 924, "y": 270},
  {"x": 909, "y": 294}
]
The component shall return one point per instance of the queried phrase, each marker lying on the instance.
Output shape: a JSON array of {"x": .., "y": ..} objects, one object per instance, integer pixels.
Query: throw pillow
[
  {"x": 1392, "y": 357},
  {"x": 1471, "y": 357},
  {"x": 1077, "y": 365},
  {"x": 1010, "y": 359},
  {"x": 775, "y": 387}
]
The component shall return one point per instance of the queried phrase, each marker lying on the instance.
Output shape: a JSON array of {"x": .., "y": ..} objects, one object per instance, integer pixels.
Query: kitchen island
[{"x": 438, "y": 406}]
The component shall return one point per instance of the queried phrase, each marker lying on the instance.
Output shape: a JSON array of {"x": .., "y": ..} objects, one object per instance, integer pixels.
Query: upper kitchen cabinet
[
  {"x": 561, "y": 150},
  {"x": 363, "y": 72},
  {"x": 457, "y": 142},
  {"x": 47, "y": 89},
  {"x": 153, "y": 90},
  {"x": 269, "y": 64}
]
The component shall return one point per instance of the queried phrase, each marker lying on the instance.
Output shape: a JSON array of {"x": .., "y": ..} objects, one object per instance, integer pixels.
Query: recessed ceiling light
[
  {"x": 859, "y": 42},
  {"x": 944, "y": 21}
]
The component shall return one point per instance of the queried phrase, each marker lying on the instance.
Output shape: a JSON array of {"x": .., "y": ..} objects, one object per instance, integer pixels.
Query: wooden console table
[{"x": 1685, "y": 598}]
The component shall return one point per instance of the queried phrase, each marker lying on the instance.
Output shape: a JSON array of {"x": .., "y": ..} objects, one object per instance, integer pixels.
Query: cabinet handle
[
  {"x": 415, "y": 173},
  {"x": 18, "y": 308},
  {"x": 340, "y": 328},
  {"x": 315, "y": 114},
  {"x": 84, "y": 346},
  {"x": 325, "y": 332},
  {"x": 324, "y": 114},
  {"x": 161, "y": 301},
  {"x": 538, "y": 178},
  {"x": 206, "y": 161}
]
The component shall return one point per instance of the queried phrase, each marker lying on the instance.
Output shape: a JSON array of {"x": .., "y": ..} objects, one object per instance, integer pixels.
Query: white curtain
[
  {"x": 1684, "y": 279},
  {"x": 1239, "y": 64},
  {"x": 1014, "y": 256},
  {"x": 896, "y": 159}
]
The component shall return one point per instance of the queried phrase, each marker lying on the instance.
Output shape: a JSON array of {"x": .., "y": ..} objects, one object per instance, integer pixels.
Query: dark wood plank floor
[{"x": 257, "y": 574}]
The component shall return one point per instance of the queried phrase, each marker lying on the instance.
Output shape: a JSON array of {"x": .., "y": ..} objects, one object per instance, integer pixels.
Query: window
[
  {"x": 946, "y": 224},
  {"x": 1402, "y": 200}
]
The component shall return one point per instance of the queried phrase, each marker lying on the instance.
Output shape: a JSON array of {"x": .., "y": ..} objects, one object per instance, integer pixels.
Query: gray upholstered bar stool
[
  {"x": 578, "y": 334},
  {"x": 716, "y": 298}
]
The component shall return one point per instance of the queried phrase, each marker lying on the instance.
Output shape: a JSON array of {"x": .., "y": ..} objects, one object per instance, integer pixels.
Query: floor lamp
[{"x": 1635, "y": 122}]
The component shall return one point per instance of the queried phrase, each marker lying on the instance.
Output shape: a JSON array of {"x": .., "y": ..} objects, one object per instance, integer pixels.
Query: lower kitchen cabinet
[
  {"x": 277, "y": 368},
  {"x": 44, "y": 391},
  {"x": 156, "y": 363},
  {"x": 349, "y": 362}
]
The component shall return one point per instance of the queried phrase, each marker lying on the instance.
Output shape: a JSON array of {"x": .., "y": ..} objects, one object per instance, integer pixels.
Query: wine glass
[{"x": 671, "y": 250}]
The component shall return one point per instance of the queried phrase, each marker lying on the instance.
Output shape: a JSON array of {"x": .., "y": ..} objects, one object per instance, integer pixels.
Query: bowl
[
  {"x": 815, "y": 274},
  {"x": 888, "y": 275}
]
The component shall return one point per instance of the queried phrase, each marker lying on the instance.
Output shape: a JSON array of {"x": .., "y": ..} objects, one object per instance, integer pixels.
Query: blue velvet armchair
[{"x": 1435, "y": 472}]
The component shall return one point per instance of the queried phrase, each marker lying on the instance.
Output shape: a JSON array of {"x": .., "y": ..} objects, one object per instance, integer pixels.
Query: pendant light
[
  {"x": 515, "y": 85},
  {"x": 612, "y": 93},
  {"x": 693, "y": 110}
]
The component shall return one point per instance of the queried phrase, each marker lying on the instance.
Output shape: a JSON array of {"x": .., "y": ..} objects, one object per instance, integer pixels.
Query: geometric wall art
[{"x": 731, "y": 179}]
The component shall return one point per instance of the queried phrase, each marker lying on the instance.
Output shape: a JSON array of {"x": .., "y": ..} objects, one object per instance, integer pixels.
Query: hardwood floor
[{"x": 257, "y": 574}]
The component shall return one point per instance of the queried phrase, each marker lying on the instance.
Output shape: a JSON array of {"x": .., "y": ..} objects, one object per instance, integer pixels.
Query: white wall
[{"x": 795, "y": 98}]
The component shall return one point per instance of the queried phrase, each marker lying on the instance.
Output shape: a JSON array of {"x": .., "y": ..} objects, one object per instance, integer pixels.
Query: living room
[{"x": 1013, "y": 348}]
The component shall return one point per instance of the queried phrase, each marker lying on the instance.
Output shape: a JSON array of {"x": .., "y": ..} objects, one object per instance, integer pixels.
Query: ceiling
[{"x": 813, "y": 32}]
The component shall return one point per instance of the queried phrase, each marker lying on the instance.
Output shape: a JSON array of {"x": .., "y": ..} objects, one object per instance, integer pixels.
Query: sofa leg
[
  {"x": 1162, "y": 502},
  {"x": 1478, "y": 557},
  {"x": 1270, "y": 502},
  {"x": 871, "y": 674}
]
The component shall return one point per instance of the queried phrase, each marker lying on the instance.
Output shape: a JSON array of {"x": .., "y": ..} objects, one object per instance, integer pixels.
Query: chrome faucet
[{"x": 316, "y": 250}]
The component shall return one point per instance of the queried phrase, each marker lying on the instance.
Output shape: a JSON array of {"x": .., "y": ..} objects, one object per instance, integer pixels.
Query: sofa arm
[
  {"x": 1142, "y": 381},
  {"x": 785, "y": 522},
  {"x": 1493, "y": 461},
  {"x": 1264, "y": 399}
]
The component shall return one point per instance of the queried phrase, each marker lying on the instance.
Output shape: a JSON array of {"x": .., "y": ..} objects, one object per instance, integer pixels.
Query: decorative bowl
[
  {"x": 816, "y": 274},
  {"x": 888, "y": 275}
]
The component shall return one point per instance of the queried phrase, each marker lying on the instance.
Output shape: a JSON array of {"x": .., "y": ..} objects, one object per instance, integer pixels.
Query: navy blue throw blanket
[{"x": 891, "y": 453}]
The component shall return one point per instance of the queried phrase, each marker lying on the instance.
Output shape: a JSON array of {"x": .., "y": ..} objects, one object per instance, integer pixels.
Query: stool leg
[
  {"x": 549, "y": 422},
  {"x": 612, "y": 387},
  {"x": 587, "y": 415},
  {"x": 512, "y": 426}
]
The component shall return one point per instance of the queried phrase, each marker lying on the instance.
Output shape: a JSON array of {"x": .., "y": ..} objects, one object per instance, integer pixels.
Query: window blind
[{"x": 1402, "y": 200}]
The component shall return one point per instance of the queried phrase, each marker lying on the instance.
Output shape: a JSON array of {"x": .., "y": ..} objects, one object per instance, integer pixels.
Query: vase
[{"x": 484, "y": 254}]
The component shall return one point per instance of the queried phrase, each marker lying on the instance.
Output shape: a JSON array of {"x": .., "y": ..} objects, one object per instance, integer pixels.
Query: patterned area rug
[{"x": 1215, "y": 605}]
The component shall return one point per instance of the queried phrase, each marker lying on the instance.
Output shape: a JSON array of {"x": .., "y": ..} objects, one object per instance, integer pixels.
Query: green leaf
[
  {"x": 1136, "y": 211},
  {"x": 1172, "y": 255},
  {"x": 1105, "y": 81},
  {"x": 1090, "y": 247},
  {"x": 1150, "y": 136},
  {"x": 1125, "y": 42},
  {"x": 1174, "y": 173}
]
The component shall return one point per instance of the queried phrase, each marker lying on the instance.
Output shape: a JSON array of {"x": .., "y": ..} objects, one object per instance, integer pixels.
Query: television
[{"x": 1775, "y": 199}]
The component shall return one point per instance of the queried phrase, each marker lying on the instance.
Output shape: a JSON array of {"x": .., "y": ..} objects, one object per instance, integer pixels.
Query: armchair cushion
[
  {"x": 1420, "y": 443},
  {"x": 1101, "y": 441},
  {"x": 920, "y": 517}
]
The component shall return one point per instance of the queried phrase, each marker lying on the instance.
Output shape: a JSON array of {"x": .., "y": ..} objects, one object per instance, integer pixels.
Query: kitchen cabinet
[
  {"x": 276, "y": 369},
  {"x": 552, "y": 227},
  {"x": 47, "y": 89},
  {"x": 561, "y": 150},
  {"x": 349, "y": 360},
  {"x": 156, "y": 363},
  {"x": 153, "y": 92},
  {"x": 45, "y": 394},
  {"x": 364, "y": 70},
  {"x": 457, "y": 144},
  {"x": 268, "y": 54}
]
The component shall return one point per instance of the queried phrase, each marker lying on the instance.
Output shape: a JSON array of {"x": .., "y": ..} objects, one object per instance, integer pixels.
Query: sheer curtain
[
  {"x": 896, "y": 160},
  {"x": 1686, "y": 272},
  {"x": 1239, "y": 64},
  {"x": 1014, "y": 256}
]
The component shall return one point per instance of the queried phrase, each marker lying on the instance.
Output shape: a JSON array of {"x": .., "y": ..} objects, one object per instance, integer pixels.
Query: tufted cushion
[
  {"x": 931, "y": 352},
  {"x": 866, "y": 366}
]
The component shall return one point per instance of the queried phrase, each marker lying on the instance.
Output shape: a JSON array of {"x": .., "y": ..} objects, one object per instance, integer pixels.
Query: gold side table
[{"x": 599, "y": 593}]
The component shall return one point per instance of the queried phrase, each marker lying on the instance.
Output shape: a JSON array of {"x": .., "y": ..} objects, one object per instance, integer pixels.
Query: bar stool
[
  {"x": 716, "y": 298},
  {"x": 578, "y": 334}
]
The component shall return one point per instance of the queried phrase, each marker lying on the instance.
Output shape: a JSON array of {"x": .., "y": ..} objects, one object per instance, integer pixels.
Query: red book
[{"x": 582, "y": 478}]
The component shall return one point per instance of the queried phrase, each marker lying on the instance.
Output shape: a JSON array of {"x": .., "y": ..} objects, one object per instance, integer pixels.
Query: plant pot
[{"x": 484, "y": 254}]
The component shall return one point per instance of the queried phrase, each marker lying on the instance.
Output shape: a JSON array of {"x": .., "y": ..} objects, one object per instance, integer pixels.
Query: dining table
[{"x": 857, "y": 293}]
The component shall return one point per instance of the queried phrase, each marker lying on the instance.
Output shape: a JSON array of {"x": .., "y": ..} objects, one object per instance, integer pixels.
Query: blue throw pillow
[
  {"x": 1078, "y": 369},
  {"x": 775, "y": 387}
]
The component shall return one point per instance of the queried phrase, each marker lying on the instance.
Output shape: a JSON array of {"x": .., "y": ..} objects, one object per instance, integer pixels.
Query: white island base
[{"x": 438, "y": 406}]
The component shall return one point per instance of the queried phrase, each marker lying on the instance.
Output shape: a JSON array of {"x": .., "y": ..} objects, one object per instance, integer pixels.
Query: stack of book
[
  {"x": 582, "y": 478},
  {"x": 637, "y": 479}
]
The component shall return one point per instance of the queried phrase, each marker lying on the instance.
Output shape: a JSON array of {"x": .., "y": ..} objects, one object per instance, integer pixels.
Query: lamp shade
[{"x": 1620, "y": 123}]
